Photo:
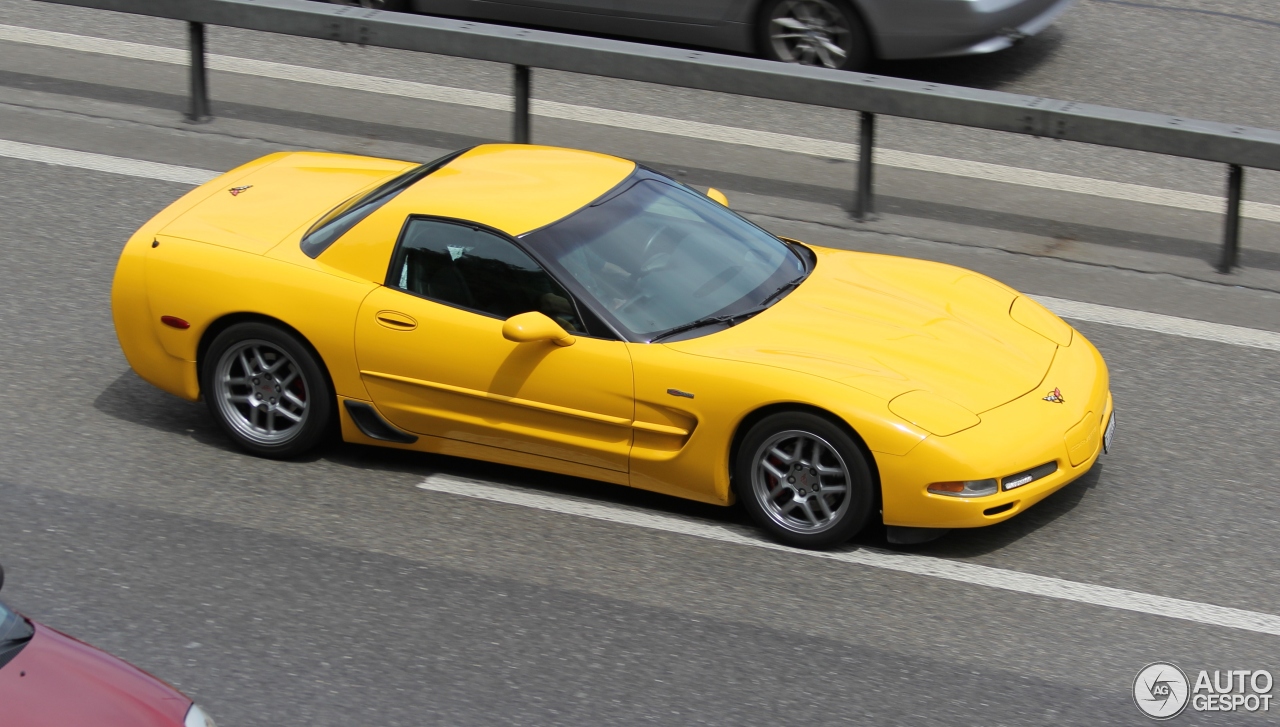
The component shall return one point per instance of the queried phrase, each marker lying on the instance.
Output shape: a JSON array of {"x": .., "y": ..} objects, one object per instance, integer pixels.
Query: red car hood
[{"x": 57, "y": 681}]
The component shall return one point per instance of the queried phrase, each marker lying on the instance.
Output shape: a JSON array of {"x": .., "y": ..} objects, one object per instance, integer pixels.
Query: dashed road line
[
  {"x": 950, "y": 570},
  {"x": 645, "y": 122},
  {"x": 1160, "y": 323},
  {"x": 105, "y": 163}
]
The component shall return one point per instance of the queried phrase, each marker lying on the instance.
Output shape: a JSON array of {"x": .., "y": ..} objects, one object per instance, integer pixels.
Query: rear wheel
[
  {"x": 267, "y": 390},
  {"x": 825, "y": 33},
  {"x": 804, "y": 480}
]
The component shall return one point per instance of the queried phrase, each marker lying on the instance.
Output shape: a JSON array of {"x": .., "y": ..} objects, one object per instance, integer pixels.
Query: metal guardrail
[{"x": 1236, "y": 146}]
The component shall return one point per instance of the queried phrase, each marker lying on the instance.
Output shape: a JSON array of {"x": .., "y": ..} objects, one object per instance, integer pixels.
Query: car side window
[{"x": 473, "y": 268}]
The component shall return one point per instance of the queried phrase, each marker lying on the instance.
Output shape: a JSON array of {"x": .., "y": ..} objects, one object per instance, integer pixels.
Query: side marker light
[
  {"x": 175, "y": 322},
  {"x": 1035, "y": 473}
]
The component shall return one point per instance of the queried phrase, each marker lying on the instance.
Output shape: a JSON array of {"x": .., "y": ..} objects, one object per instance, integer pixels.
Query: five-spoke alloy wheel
[
  {"x": 825, "y": 33},
  {"x": 266, "y": 390},
  {"x": 804, "y": 479}
]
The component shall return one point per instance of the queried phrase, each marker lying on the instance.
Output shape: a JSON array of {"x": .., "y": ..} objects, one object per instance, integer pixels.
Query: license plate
[{"x": 1109, "y": 433}]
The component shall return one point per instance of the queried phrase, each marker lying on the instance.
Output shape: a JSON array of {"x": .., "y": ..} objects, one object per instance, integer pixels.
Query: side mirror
[
  {"x": 718, "y": 196},
  {"x": 534, "y": 326}
]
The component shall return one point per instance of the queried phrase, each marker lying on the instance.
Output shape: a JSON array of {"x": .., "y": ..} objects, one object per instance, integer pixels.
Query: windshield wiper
[
  {"x": 733, "y": 318},
  {"x": 707, "y": 321},
  {"x": 14, "y": 630},
  {"x": 790, "y": 285}
]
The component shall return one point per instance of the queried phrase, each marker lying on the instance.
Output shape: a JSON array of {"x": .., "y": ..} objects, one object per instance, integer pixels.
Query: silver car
[{"x": 844, "y": 34}]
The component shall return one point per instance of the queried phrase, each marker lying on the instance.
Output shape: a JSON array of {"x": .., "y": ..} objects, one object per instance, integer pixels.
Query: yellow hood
[
  {"x": 254, "y": 207},
  {"x": 890, "y": 325}
]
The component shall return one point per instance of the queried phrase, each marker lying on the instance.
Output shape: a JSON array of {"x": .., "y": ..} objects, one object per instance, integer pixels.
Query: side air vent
[{"x": 374, "y": 426}]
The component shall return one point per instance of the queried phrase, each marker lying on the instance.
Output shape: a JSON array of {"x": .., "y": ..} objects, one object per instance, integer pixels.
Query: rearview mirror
[
  {"x": 718, "y": 196},
  {"x": 534, "y": 326}
]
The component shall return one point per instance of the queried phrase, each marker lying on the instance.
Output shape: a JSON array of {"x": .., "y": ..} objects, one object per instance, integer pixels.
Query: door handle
[{"x": 395, "y": 321}]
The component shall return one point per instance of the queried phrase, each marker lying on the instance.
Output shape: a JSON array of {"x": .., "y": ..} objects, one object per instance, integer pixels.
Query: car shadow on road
[
  {"x": 424, "y": 464},
  {"x": 990, "y": 71},
  {"x": 955, "y": 544},
  {"x": 133, "y": 400},
  {"x": 130, "y": 399}
]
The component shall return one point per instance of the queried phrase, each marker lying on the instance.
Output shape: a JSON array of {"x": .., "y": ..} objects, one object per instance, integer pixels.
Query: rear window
[{"x": 349, "y": 214}]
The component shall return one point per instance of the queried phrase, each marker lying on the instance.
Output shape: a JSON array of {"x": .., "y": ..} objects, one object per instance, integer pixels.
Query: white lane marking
[
  {"x": 1170, "y": 325},
  {"x": 105, "y": 163},
  {"x": 969, "y": 573},
  {"x": 644, "y": 122},
  {"x": 1160, "y": 323}
]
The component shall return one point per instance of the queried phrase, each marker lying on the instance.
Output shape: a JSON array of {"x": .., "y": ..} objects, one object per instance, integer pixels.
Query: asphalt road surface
[{"x": 335, "y": 591}]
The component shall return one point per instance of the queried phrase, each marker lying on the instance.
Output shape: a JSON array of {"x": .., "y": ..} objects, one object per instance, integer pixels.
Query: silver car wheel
[
  {"x": 801, "y": 482},
  {"x": 811, "y": 33},
  {"x": 261, "y": 392}
]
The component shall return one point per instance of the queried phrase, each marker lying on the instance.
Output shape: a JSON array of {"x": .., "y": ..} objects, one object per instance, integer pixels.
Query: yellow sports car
[{"x": 579, "y": 313}]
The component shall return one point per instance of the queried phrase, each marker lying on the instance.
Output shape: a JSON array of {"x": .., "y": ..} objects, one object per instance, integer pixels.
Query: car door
[
  {"x": 700, "y": 12},
  {"x": 681, "y": 11},
  {"x": 433, "y": 357}
]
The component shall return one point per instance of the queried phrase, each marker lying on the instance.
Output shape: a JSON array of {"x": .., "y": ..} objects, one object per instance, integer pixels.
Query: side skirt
[{"x": 374, "y": 426}]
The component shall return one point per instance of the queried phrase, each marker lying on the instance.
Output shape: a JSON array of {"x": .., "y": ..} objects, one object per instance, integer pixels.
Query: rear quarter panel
[
  {"x": 130, "y": 309},
  {"x": 202, "y": 283}
]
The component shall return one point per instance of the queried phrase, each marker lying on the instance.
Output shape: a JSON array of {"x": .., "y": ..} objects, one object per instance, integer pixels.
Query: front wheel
[
  {"x": 804, "y": 480},
  {"x": 825, "y": 33},
  {"x": 267, "y": 390}
]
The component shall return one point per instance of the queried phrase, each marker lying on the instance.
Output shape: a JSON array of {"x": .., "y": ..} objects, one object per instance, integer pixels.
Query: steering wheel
[{"x": 647, "y": 249}]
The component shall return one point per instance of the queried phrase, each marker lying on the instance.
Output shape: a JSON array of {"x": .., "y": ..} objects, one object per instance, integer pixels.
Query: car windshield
[
  {"x": 15, "y": 632},
  {"x": 656, "y": 256}
]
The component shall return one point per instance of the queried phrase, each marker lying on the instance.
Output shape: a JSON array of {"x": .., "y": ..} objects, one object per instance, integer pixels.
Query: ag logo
[{"x": 1161, "y": 690}]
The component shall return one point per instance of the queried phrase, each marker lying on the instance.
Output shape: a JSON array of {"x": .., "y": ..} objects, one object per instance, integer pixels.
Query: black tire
[
  {"x": 834, "y": 21},
  {"x": 796, "y": 435},
  {"x": 257, "y": 407}
]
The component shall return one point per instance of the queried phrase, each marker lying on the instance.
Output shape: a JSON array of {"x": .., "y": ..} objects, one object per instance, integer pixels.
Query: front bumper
[
  {"x": 1018, "y": 436},
  {"x": 938, "y": 28}
]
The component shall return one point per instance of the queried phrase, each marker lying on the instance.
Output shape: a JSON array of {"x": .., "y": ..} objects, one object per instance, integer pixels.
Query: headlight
[
  {"x": 968, "y": 488},
  {"x": 197, "y": 718}
]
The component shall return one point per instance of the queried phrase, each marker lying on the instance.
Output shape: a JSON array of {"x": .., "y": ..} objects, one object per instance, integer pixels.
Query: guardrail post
[
  {"x": 864, "y": 203},
  {"x": 524, "y": 84},
  {"x": 198, "y": 111},
  {"x": 1231, "y": 235}
]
